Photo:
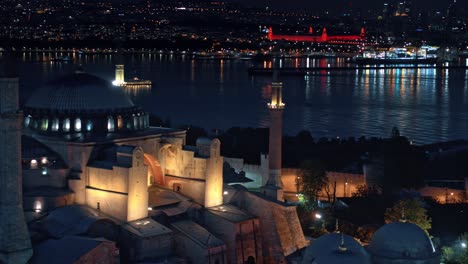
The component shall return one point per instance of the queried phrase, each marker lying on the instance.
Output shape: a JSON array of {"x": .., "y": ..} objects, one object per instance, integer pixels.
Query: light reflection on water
[{"x": 427, "y": 105}]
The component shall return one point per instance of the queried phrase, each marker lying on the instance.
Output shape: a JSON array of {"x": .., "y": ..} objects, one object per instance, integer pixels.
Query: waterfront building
[{"x": 324, "y": 37}]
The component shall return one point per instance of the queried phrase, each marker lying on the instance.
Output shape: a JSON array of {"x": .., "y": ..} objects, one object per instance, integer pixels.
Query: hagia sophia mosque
[{"x": 95, "y": 180}]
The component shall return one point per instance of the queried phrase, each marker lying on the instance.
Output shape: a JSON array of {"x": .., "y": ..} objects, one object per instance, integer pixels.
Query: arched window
[
  {"x": 55, "y": 124},
  {"x": 119, "y": 122},
  {"x": 110, "y": 124},
  {"x": 129, "y": 123},
  {"x": 78, "y": 124},
  {"x": 135, "y": 122},
  {"x": 66, "y": 124},
  {"x": 44, "y": 124},
  {"x": 33, "y": 164},
  {"x": 27, "y": 120},
  {"x": 89, "y": 125},
  {"x": 142, "y": 122}
]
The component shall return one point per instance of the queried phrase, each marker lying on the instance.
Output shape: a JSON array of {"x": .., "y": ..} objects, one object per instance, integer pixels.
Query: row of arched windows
[{"x": 134, "y": 122}]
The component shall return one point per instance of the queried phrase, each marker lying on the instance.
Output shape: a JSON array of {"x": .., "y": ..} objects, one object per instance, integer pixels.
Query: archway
[{"x": 155, "y": 174}]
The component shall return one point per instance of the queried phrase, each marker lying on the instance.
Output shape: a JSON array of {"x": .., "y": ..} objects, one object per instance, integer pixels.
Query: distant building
[{"x": 322, "y": 38}]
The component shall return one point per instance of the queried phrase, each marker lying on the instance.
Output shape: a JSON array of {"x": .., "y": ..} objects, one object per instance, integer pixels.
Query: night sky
[{"x": 355, "y": 4}]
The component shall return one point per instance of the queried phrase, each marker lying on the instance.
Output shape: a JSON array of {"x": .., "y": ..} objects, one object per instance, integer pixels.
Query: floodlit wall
[
  {"x": 137, "y": 187},
  {"x": 111, "y": 203},
  {"x": 192, "y": 188},
  {"x": 115, "y": 179},
  {"x": 444, "y": 195},
  {"x": 214, "y": 176}
]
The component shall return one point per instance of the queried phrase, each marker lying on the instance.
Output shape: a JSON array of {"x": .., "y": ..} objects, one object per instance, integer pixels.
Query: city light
[{"x": 318, "y": 216}]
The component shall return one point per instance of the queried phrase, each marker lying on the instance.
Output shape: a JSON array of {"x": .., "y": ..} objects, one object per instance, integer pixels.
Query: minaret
[
  {"x": 15, "y": 245},
  {"x": 119, "y": 75},
  {"x": 273, "y": 187}
]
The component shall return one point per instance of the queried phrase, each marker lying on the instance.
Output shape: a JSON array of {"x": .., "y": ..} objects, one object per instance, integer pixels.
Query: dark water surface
[{"x": 427, "y": 105}]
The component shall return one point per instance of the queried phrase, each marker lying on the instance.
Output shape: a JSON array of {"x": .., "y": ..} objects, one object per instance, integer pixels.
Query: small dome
[
  {"x": 402, "y": 241},
  {"x": 77, "y": 92},
  {"x": 326, "y": 250}
]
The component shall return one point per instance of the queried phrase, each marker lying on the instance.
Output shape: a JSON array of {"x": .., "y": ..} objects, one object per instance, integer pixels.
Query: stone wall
[
  {"x": 115, "y": 180},
  {"x": 346, "y": 183},
  {"x": 443, "y": 195},
  {"x": 192, "y": 188},
  {"x": 214, "y": 176},
  {"x": 281, "y": 230},
  {"x": 243, "y": 239},
  {"x": 137, "y": 187},
  {"x": 111, "y": 203}
]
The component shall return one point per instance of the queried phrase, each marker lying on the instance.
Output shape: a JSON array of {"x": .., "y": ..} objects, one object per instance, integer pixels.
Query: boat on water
[
  {"x": 61, "y": 59},
  {"x": 398, "y": 55}
]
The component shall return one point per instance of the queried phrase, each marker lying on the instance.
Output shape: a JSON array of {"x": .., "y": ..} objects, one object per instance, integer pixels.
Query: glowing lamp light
[
  {"x": 44, "y": 160},
  {"x": 37, "y": 207},
  {"x": 225, "y": 192},
  {"x": 318, "y": 216},
  {"x": 150, "y": 208},
  {"x": 451, "y": 193},
  {"x": 463, "y": 244},
  {"x": 44, "y": 171}
]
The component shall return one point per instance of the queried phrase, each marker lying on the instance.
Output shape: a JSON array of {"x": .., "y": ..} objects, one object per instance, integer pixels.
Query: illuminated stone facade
[{"x": 111, "y": 165}]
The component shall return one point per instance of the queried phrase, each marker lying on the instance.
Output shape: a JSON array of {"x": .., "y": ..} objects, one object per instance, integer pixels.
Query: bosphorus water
[{"x": 427, "y": 105}]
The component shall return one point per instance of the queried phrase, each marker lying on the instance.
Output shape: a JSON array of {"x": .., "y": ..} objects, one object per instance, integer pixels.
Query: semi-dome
[
  {"x": 81, "y": 102},
  {"x": 402, "y": 242},
  {"x": 335, "y": 248}
]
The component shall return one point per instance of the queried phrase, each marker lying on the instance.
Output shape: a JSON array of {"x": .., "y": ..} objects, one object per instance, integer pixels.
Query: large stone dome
[
  {"x": 82, "y": 102},
  {"x": 79, "y": 92},
  {"x": 326, "y": 250},
  {"x": 402, "y": 242}
]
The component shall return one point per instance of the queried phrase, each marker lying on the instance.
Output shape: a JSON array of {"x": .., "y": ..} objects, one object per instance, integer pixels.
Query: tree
[
  {"x": 458, "y": 252},
  {"x": 313, "y": 180},
  {"x": 366, "y": 191},
  {"x": 330, "y": 190},
  {"x": 412, "y": 211}
]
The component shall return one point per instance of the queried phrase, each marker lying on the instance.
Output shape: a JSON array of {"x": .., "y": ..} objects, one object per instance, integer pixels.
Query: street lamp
[
  {"x": 318, "y": 216},
  {"x": 463, "y": 244}
]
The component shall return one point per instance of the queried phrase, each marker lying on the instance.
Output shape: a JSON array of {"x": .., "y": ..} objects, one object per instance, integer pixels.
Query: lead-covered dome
[
  {"x": 402, "y": 242},
  {"x": 78, "y": 92},
  {"x": 81, "y": 102},
  {"x": 335, "y": 248}
]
